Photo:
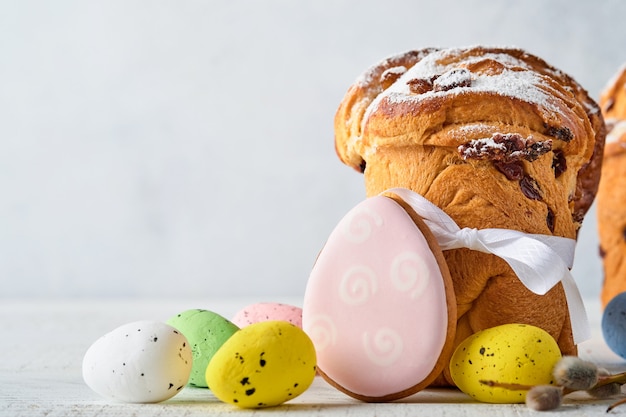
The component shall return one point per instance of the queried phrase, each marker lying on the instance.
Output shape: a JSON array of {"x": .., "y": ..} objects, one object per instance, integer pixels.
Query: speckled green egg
[
  {"x": 263, "y": 365},
  {"x": 510, "y": 353},
  {"x": 206, "y": 332}
]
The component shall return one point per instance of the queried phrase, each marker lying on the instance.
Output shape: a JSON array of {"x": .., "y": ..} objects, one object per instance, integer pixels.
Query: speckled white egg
[{"x": 139, "y": 362}]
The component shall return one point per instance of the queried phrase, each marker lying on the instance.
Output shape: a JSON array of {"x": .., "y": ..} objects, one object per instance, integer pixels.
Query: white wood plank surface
[{"x": 42, "y": 344}]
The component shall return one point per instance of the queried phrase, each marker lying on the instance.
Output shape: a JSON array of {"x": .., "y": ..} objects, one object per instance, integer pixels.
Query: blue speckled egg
[{"x": 614, "y": 324}]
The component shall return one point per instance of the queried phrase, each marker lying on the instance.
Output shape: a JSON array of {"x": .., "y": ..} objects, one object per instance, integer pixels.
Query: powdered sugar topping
[
  {"x": 458, "y": 77},
  {"x": 515, "y": 80},
  {"x": 399, "y": 70},
  {"x": 617, "y": 131}
]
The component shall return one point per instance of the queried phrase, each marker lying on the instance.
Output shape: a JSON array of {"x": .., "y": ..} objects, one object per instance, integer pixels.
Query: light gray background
[{"x": 185, "y": 148}]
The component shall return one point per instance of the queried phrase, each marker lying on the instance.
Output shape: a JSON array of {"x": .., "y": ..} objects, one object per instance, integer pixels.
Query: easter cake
[
  {"x": 612, "y": 191},
  {"x": 494, "y": 137}
]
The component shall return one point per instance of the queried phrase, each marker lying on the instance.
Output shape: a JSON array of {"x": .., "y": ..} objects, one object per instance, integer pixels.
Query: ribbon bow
[{"x": 539, "y": 261}]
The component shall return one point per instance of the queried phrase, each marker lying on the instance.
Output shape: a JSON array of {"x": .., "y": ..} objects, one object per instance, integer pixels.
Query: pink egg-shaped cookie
[
  {"x": 259, "y": 312},
  {"x": 379, "y": 304}
]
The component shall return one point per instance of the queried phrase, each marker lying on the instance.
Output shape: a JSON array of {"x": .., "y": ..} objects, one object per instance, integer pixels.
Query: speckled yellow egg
[
  {"x": 263, "y": 365},
  {"x": 510, "y": 353}
]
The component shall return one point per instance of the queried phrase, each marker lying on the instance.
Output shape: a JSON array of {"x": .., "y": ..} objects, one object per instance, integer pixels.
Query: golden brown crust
[
  {"x": 512, "y": 91},
  {"x": 496, "y": 138}
]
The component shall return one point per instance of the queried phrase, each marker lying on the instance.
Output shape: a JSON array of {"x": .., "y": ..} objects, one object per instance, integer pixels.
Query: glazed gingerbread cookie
[{"x": 379, "y": 304}]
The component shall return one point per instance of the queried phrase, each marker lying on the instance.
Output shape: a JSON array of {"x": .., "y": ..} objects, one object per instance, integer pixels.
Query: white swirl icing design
[
  {"x": 385, "y": 348},
  {"x": 410, "y": 274},
  {"x": 357, "y": 284},
  {"x": 360, "y": 224},
  {"x": 322, "y": 331}
]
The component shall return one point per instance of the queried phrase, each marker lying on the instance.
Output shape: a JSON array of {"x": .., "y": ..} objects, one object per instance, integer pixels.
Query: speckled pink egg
[{"x": 260, "y": 312}]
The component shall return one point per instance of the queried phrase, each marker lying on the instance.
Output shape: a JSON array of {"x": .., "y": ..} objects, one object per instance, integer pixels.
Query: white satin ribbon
[{"x": 539, "y": 261}]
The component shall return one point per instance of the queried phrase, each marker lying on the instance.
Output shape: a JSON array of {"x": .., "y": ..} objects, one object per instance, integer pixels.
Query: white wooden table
[{"x": 42, "y": 344}]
